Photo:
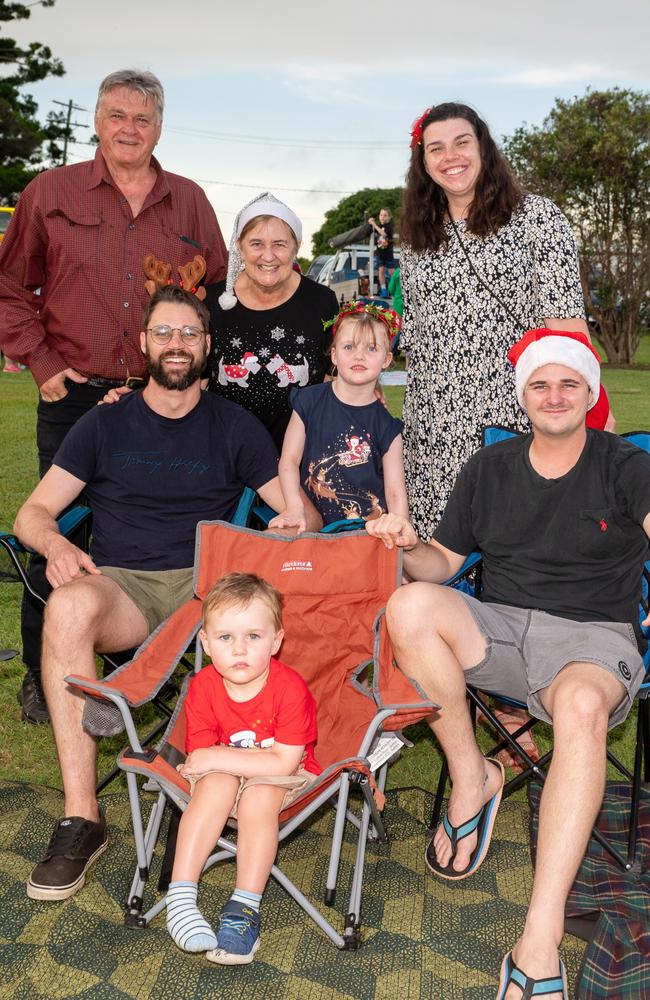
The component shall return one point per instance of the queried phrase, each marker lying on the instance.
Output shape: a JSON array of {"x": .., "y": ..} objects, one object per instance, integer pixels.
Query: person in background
[
  {"x": 71, "y": 280},
  {"x": 384, "y": 247}
]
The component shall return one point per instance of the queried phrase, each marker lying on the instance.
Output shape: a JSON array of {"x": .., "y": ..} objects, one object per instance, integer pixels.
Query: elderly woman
[{"x": 267, "y": 319}]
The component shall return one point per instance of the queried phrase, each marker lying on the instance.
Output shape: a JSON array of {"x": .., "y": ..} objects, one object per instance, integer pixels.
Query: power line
[
  {"x": 296, "y": 143},
  {"x": 260, "y": 187}
]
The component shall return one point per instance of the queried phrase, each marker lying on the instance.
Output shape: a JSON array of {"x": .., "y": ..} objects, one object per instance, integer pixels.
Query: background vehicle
[
  {"x": 349, "y": 266},
  {"x": 317, "y": 265},
  {"x": 5, "y": 219}
]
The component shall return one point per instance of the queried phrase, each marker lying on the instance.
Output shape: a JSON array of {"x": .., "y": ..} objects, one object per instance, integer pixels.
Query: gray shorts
[
  {"x": 156, "y": 593},
  {"x": 526, "y": 650}
]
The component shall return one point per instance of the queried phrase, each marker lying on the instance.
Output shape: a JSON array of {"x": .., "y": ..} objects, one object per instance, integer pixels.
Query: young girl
[{"x": 341, "y": 442}]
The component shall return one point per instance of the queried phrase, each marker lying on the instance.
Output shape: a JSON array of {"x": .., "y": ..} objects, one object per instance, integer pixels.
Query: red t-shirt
[{"x": 284, "y": 710}]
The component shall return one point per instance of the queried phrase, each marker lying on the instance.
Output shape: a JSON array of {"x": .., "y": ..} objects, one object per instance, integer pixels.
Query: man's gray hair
[{"x": 146, "y": 84}]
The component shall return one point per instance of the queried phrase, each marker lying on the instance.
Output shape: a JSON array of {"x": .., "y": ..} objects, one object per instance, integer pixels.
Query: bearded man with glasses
[{"x": 152, "y": 465}]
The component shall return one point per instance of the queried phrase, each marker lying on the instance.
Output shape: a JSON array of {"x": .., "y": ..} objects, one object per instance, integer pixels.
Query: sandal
[
  {"x": 512, "y": 719},
  {"x": 511, "y": 973},
  {"x": 482, "y": 822}
]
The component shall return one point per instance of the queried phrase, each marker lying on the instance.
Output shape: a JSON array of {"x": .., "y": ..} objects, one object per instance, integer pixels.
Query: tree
[
  {"x": 352, "y": 211},
  {"x": 22, "y": 137},
  {"x": 591, "y": 156}
]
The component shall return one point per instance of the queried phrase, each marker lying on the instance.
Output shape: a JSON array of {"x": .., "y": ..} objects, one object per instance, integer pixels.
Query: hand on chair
[
  {"x": 289, "y": 519},
  {"x": 393, "y": 530}
]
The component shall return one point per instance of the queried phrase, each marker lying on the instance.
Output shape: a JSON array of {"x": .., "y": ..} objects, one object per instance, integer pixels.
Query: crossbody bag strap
[{"x": 484, "y": 283}]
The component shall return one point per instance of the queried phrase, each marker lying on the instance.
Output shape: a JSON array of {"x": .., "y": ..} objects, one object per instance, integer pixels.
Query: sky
[{"x": 314, "y": 100}]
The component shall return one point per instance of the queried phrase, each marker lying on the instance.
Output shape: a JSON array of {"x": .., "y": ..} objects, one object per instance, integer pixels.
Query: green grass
[{"x": 27, "y": 752}]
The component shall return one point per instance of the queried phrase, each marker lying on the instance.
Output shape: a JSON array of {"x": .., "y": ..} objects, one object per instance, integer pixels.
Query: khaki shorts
[
  {"x": 295, "y": 784},
  {"x": 526, "y": 650},
  {"x": 156, "y": 593}
]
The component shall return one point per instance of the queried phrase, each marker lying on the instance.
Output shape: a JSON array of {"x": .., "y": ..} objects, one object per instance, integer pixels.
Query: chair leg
[
  {"x": 337, "y": 840},
  {"x": 145, "y": 844},
  {"x": 640, "y": 753},
  {"x": 644, "y": 713}
]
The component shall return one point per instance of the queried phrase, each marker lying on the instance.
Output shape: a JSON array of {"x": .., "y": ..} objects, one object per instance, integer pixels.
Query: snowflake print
[
  {"x": 263, "y": 352},
  {"x": 300, "y": 340},
  {"x": 277, "y": 333},
  {"x": 235, "y": 342}
]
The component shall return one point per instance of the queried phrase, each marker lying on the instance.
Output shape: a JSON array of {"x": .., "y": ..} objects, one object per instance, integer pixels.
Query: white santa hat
[
  {"x": 555, "y": 347},
  {"x": 262, "y": 204}
]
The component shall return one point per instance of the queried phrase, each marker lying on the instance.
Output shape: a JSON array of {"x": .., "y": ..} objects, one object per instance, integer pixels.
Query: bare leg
[
  {"x": 580, "y": 701},
  {"x": 202, "y": 823},
  {"x": 257, "y": 835},
  {"x": 435, "y": 638},
  {"x": 85, "y": 615}
]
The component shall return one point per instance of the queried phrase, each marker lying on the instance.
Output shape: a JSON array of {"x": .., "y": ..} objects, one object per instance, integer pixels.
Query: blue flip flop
[
  {"x": 511, "y": 973},
  {"x": 483, "y": 823}
]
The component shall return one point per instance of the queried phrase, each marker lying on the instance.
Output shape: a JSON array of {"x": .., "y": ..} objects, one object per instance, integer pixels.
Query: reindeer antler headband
[{"x": 159, "y": 274}]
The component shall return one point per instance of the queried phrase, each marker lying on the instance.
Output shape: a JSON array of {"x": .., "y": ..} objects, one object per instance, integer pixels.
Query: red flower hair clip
[{"x": 416, "y": 129}]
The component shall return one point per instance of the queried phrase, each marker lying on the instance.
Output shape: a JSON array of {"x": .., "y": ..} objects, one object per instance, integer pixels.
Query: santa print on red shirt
[{"x": 284, "y": 710}]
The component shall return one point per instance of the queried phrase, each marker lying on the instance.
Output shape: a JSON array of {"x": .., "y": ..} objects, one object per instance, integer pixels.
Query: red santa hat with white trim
[{"x": 555, "y": 347}]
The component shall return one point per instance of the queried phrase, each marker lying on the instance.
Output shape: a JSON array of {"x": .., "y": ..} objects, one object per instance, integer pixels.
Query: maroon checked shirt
[{"x": 74, "y": 237}]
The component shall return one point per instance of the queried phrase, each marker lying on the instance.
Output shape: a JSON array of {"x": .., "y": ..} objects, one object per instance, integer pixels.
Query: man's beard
[{"x": 171, "y": 379}]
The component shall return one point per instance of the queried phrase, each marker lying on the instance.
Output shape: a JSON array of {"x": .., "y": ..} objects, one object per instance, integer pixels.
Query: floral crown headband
[
  {"x": 391, "y": 320},
  {"x": 416, "y": 129}
]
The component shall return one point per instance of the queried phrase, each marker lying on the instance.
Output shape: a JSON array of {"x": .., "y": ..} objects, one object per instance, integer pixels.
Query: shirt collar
[{"x": 100, "y": 173}]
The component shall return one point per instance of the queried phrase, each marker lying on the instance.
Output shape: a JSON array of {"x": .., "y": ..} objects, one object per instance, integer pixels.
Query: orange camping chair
[{"x": 335, "y": 588}]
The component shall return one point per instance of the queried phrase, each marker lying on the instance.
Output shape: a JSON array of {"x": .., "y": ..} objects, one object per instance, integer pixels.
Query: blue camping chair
[{"x": 469, "y": 578}]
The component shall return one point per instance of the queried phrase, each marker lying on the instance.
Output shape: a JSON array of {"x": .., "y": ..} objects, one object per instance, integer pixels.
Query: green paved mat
[{"x": 422, "y": 938}]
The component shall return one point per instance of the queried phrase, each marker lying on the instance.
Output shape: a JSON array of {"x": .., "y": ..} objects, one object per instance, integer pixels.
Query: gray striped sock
[{"x": 185, "y": 922}]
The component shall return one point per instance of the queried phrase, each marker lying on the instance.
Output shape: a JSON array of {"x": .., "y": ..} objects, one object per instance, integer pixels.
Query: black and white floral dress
[{"x": 457, "y": 338}]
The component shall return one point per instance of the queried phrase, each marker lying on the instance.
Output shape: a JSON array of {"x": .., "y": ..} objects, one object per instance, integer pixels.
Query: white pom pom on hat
[
  {"x": 554, "y": 347},
  {"x": 262, "y": 204}
]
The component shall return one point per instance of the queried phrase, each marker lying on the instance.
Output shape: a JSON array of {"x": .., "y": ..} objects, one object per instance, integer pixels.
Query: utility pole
[{"x": 69, "y": 124}]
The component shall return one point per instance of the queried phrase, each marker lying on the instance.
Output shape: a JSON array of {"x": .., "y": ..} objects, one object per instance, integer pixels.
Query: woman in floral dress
[{"x": 461, "y": 201}]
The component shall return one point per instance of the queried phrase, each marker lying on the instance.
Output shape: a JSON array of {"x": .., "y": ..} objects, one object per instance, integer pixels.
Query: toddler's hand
[{"x": 199, "y": 762}]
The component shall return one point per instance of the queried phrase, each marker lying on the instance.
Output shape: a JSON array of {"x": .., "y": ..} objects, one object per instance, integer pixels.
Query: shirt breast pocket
[
  {"x": 598, "y": 534},
  {"x": 74, "y": 237}
]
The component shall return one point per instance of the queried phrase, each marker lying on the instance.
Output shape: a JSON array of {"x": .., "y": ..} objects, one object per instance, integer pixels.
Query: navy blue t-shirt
[
  {"x": 151, "y": 479},
  {"x": 341, "y": 468}
]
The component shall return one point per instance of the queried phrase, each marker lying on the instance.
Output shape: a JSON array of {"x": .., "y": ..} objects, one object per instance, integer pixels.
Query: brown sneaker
[
  {"x": 32, "y": 699},
  {"x": 75, "y": 844}
]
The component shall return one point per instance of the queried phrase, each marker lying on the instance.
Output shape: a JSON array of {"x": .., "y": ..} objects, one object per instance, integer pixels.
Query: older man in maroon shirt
[{"x": 72, "y": 282}]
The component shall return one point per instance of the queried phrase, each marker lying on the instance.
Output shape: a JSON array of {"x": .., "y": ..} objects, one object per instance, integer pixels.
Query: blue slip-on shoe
[
  {"x": 511, "y": 973},
  {"x": 238, "y": 937},
  {"x": 482, "y": 823}
]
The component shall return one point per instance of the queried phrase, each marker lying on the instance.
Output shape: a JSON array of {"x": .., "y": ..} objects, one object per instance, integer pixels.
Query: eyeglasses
[{"x": 162, "y": 334}]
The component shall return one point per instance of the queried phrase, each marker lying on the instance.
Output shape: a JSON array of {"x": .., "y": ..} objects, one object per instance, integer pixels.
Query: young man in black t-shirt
[
  {"x": 562, "y": 518},
  {"x": 154, "y": 465}
]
